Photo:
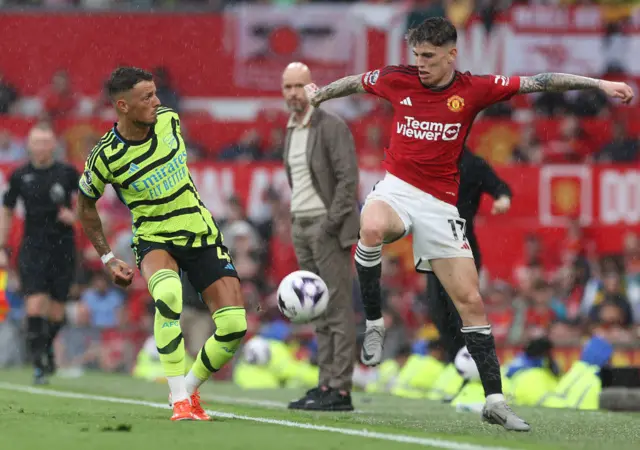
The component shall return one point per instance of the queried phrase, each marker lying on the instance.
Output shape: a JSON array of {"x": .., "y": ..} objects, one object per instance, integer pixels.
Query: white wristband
[{"x": 106, "y": 258}]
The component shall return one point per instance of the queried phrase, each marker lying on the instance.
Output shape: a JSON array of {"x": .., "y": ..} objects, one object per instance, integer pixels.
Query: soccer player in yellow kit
[{"x": 145, "y": 160}]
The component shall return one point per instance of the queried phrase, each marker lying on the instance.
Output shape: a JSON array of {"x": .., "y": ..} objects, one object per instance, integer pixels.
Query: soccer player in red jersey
[{"x": 435, "y": 106}]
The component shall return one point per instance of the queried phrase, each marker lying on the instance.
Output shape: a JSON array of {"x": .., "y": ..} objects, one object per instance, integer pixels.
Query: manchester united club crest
[{"x": 455, "y": 103}]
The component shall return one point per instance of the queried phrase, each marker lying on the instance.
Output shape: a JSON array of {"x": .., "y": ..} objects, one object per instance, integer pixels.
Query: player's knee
[
  {"x": 471, "y": 308},
  {"x": 372, "y": 231},
  {"x": 36, "y": 304},
  {"x": 56, "y": 311},
  {"x": 231, "y": 326},
  {"x": 472, "y": 299},
  {"x": 166, "y": 288}
]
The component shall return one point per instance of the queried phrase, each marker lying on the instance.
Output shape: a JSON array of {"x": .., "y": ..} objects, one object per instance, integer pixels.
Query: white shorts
[{"x": 438, "y": 231}]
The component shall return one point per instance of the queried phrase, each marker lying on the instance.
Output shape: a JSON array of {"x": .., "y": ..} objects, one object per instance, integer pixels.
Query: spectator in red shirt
[
  {"x": 570, "y": 292},
  {"x": 611, "y": 320},
  {"x": 529, "y": 149},
  {"x": 536, "y": 261},
  {"x": 570, "y": 146},
  {"x": 632, "y": 254},
  {"x": 540, "y": 314},
  {"x": 371, "y": 155},
  {"x": 102, "y": 106},
  {"x": 59, "y": 100},
  {"x": 574, "y": 250},
  {"x": 499, "y": 311},
  {"x": 282, "y": 255}
]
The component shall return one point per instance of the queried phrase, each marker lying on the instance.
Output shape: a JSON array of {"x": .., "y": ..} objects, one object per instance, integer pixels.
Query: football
[
  {"x": 466, "y": 366},
  {"x": 256, "y": 351},
  {"x": 302, "y": 296}
]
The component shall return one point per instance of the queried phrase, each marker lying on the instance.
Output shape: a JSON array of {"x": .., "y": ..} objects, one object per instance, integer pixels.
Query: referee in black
[
  {"x": 476, "y": 178},
  {"x": 47, "y": 254}
]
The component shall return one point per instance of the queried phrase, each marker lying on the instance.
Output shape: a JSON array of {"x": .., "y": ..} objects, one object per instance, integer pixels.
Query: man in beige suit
[{"x": 320, "y": 160}]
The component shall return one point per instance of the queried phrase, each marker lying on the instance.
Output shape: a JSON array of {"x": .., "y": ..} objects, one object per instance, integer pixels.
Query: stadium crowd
[{"x": 565, "y": 293}]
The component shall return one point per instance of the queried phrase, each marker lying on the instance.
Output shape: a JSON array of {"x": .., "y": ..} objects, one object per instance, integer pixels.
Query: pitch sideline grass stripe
[
  {"x": 243, "y": 401},
  {"x": 272, "y": 404},
  {"x": 427, "y": 442}
]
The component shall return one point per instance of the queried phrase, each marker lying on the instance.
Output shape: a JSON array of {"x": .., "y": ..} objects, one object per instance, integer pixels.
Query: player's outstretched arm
[
  {"x": 339, "y": 88},
  {"x": 561, "y": 82}
]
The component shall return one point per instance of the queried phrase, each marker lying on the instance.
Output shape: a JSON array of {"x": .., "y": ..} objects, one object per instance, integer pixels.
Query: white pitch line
[
  {"x": 224, "y": 399},
  {"x": 242, "y": 401},
  {"x": 427, "y": 442}
]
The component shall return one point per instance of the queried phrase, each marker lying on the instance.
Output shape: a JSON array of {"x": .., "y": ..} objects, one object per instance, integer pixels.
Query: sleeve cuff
[{"x": 83, "y": 192}]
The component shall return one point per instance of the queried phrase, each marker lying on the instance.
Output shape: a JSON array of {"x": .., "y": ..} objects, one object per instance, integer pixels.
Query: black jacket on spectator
[
  {"x": 476, "y": 178},
  {"x": 8, "y": 96}
]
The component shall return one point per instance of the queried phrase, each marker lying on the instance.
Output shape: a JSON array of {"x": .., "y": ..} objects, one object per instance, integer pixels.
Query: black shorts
[
  {"x": 203, "y": 265},
  {"x": 47, "y": 270}
]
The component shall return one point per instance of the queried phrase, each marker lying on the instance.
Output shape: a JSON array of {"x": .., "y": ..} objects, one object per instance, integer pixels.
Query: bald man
[
  {"x": 47, "y": 254},
  {"x": 320, "y": 161}
]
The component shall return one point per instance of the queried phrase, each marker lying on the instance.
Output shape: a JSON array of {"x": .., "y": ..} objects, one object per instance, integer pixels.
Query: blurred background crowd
[{"x": 565, "y": 269}]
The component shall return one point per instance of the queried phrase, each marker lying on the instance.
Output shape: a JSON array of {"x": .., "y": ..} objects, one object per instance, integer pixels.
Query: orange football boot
[
  {"x": 196, "y": 408},
  {"x": 183, "y": 411}
]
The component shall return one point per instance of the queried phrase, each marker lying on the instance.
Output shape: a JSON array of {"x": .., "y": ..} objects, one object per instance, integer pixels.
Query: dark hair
[
  {"x": 124, "y": 79},
  {"x": 43, "y": 125},
  {"x": 538, "y": 348},
  {"x": 436, "y": 31},
  {"x": 541, "y": 285}
]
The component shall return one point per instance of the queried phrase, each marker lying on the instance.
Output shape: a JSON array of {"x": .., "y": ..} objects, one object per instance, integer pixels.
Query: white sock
[
  {"x": 178, "y": 389},
  {"x": 375, "y": 323},
  {"x": 495, "y": 398},
  {"x": 192, "y": 383},
  {"x": 368, "y": 256},
  {"x": 480, "y": 329}
]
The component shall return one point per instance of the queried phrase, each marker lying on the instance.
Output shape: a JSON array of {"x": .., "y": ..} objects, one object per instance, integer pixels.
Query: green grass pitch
[{"x": 101, "y": 411}]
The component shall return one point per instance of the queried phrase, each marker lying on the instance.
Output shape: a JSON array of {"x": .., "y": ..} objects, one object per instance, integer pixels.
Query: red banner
[
  {"x": 208, "y": 55},
  {"x": 606, "y": 199},
  {"x": 240, "y": 53},
  {"x": 90, "y": 46},
  {"x": 329, "y": 40}
]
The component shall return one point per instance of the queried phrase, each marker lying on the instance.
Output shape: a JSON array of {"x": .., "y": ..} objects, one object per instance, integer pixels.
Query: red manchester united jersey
[{"x": 430, "y": 125}]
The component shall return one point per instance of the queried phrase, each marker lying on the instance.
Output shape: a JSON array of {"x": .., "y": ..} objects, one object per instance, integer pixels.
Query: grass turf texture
[{"x": 30, "y": 419}]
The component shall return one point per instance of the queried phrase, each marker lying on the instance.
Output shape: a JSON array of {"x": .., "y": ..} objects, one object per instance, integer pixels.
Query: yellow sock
[
  {"x": 231, "y": 326},
  {"x": 166, "y": 289}
]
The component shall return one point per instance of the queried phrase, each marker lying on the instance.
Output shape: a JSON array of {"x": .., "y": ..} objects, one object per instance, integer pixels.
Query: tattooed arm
[
  {"x": 561, "y": 82},
  {"x": 89, "y": 218},
  {"x": 339, "y": 88},
  {"x": 121, "y": 273},
  {"x": 556, "y": 82}
]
